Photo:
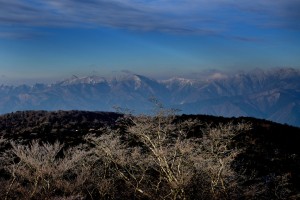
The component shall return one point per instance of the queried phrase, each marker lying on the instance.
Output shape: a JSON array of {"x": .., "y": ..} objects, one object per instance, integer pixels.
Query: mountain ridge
[{"x": 267, "y": 94}]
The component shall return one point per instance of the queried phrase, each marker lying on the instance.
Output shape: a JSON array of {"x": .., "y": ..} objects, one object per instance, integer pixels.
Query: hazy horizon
[{"x": 205, "y": 74}]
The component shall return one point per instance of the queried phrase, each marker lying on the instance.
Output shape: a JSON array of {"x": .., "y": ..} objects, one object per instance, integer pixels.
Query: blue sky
[{"x": 53, "y": 39}]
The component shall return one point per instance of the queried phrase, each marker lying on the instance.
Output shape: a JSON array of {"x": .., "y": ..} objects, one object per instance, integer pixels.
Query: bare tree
[
  {"x": 147, "y": 157},
  {"x": 156, "y": 145},
  {"x": 38, "y": 171},
  {"x": 217, "y": 154}
]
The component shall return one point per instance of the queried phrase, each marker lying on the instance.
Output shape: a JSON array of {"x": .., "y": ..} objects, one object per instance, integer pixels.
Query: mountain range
[{"x": 268, "y": 94}]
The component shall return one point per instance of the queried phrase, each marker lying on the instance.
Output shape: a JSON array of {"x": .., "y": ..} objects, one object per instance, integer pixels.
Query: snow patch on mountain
[{"x": 74, "y": 80}]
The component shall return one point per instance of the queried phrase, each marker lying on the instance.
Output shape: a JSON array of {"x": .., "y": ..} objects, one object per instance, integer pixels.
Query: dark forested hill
[
  {"x": 268, "y": 157},
  {"x": 51, "y": 126}
]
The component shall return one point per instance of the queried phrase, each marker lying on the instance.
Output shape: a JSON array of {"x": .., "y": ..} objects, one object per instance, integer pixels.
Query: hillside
[{"x": 265, "y": 157}]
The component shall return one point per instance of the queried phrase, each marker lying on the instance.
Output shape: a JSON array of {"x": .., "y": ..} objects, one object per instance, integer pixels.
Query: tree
[
  {"x": 155, "y": 156},
  {"x": 39, "y": 172}
]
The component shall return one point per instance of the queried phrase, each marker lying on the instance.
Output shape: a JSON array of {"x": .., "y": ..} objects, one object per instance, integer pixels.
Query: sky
[{"x": 53, "y": 39}]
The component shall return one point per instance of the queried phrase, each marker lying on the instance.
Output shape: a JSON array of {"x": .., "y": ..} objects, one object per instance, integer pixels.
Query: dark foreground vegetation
[{"x": 96, "y": 155}]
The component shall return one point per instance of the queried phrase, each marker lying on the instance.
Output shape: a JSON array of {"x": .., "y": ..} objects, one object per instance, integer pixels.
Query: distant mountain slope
[{"x": 273, "y": 94}]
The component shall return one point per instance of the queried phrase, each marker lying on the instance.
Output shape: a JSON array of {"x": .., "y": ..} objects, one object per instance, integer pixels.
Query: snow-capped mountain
[
  {"x": 74, "y": 80},
  {"x": 272, "y": 94}
]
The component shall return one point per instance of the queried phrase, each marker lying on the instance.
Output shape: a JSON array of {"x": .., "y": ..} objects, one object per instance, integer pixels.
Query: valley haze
[{"x": 272, "y": 94}]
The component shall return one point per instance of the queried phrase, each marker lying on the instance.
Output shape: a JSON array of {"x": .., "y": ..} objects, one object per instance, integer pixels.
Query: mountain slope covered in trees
[{"x": 232, "y": 158}]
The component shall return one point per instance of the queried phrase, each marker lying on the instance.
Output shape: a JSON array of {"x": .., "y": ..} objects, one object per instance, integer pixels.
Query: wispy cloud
[
  {"x": 270, "y": 13},
  {"x": 206, "y": 17}
]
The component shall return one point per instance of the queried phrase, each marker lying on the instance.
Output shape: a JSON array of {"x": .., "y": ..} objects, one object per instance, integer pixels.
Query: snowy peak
[
  {"x": 127, "y": 78},
  {"x": 74, "y": 80},
  {"x": 179, "y": 81},
  {"x": 134, "y": 82}
]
